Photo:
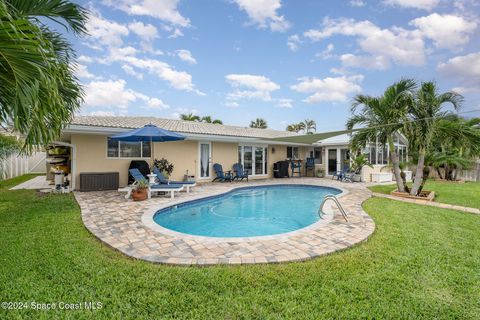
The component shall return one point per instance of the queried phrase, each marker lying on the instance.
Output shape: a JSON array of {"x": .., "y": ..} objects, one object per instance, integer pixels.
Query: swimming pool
[{"x": 247, "y": 212}]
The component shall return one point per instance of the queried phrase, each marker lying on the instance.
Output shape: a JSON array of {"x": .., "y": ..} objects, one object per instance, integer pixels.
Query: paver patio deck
[{"x": 128, "y": 227}]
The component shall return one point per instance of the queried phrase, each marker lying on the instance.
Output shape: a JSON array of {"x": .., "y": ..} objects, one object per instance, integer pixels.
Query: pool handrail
[{"x": 334, "y": 199}]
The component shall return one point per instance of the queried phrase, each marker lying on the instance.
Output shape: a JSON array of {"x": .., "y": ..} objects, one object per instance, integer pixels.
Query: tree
[
  {"x": 189, "y": 117},
  {"x": 39, "y": 92},
  {"x": 309, "y": 126},
  {"x": 296, "y": 127},
  {"x": 424, "y": 114},
  {"x": 208, "y": 119},
  {"x": 381, "y": 118},
  {"x": 259, "y": 123}
]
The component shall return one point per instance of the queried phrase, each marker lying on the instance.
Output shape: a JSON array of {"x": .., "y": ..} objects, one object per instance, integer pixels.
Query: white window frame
[
  {"x": 119, "y": 153},
  {"x": 264, "y": 158}
]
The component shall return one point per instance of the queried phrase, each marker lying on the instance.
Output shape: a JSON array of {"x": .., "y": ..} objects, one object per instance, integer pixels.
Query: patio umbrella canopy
[{"x": 150, "y": 133}]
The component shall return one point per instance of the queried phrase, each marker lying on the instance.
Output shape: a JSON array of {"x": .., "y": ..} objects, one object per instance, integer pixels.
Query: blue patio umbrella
[{"x": 150, "y": 133}]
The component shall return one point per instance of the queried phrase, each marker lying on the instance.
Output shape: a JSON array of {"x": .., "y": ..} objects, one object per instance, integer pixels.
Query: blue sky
[{"x": 282, "y": 60}]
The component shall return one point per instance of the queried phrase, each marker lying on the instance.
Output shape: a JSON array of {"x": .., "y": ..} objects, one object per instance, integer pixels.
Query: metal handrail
[{"x": 334, "y": 199}]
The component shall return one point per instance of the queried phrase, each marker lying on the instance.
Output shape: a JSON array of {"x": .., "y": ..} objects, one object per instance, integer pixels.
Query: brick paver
[{"x": 128, "y": 227}]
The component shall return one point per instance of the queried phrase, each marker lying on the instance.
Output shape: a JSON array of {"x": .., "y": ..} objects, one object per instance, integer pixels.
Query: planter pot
[
  {"x": 139, "y": 195},
  {"x": 425, "y": 195},
  {"x": 357, "y": 178},
  {"x": 320, "y": 175}
]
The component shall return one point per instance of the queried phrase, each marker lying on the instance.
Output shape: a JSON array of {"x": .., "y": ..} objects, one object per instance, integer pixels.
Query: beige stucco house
[{"x": 91, "y": 150}]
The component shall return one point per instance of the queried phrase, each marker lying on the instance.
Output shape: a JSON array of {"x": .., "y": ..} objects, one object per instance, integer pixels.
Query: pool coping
[
  {"x": 119, "y": 224},
  {"x": 147, "y": 218}
]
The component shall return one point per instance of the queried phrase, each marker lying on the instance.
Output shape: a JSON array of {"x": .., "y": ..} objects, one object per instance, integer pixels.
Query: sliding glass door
[{"x": 253, "y": 159}]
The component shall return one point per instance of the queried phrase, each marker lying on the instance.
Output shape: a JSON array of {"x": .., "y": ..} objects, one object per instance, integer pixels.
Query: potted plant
[
  {"x": 140, "y": 191},
  {"x": 320, "y": 173},
  {"x": 164, "y": 166},
  {"x": 358, "y": 162}
]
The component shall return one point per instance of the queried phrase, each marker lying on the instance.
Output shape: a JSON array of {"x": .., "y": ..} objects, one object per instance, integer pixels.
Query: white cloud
[
  {"x": 114, "y": 94},
  {"x": 105, "y": 32},
  {"x": 249, "y": 86},
  {"x": 465, "y": 69},
  {"x": 367, "y": 62},
  {"x": 285, "y": 103},
  {"x": 146, "y": 32},
  {"x": 85, "y": 59},
  {"x": 404, "y": 47},
  {"x": 155, "y": 103},
  {"x": 327, "y": 53},
  {"x": 357, "y": 3},
  {"x": 165, "y": 10},
  {"x": 186, "y": 56},
  {"x": 180, "y": 80},
  {"x": 417, "y": 4},
  {"x": 131, "y": 71},
  {"x": 293, "y": 42},
  {"x": 264, "y": 13},
  {"x": 330, "y": 89},
  {"x": 232, "y": 104},
  {"x": 82, "y": 71},
  {"x": 446, "y": 31}
]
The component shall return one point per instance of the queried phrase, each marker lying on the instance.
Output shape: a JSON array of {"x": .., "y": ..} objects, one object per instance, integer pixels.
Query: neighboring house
[{"x": 205, "y": 144}]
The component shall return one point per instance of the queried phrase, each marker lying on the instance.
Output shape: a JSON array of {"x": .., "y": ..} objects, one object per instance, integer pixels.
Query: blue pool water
[{"x": 246, "y": 212}]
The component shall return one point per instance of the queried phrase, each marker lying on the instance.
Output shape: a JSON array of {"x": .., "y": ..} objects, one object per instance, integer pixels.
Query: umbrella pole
[{"x": 152, "y": 154}]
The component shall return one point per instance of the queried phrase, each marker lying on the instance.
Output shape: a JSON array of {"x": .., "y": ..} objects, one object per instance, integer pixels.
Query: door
[
  {"x": 344, "y": 159},
  {"x": 205, "y": 150},
  {"x": 332, "y": 161}
]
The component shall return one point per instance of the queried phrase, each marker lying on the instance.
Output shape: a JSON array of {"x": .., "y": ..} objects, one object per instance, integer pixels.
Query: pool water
[{"x": 247, "y": 212}]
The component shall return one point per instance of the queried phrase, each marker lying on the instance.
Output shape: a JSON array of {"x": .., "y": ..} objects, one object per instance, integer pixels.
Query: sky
[{"x": 281, "y": 60}]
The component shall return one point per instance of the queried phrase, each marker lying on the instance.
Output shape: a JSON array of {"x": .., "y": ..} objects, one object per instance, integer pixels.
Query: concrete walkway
[
  {"x": 128, "y": 226},
  {"x": 36, "y": 183},
  {"x": 429, "y": 203}
]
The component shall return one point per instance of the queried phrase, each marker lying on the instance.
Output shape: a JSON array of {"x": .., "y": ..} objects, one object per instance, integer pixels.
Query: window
[
  {"x": 125, "y": 149},
  {"x": 317, "y": 154},
  {"x": 292, "y": 152},
  {"x": 253, "y": 159}
]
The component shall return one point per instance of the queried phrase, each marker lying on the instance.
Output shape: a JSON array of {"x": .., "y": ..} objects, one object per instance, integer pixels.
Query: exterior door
[
  {"x": 332, "y": 161},
  {"x": 344, "y": 159},
  {"x": 205, "y": 151}
]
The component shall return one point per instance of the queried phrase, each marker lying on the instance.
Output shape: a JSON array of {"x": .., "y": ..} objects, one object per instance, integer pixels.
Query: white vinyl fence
[{"x": 15, "y": 165}]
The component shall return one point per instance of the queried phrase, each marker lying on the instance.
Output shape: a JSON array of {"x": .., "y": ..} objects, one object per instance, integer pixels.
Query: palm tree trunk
[
  {"x": 396, "y": 166},
  {"x": 417, "y": 182}
]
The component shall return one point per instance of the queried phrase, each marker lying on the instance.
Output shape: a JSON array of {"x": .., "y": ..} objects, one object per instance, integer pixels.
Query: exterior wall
[{"x": 91, "y": 156}]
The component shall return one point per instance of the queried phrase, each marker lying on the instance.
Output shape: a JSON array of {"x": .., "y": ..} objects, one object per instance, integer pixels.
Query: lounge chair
[
  {"x": 162, "y": 180},
  {"x": 239, "y": 173},
  {"x": 138, "y": 176},
  {"x": 222, "y": 176}
]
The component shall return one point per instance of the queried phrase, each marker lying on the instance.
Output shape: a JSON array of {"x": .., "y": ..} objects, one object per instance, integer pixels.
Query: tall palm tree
[
  {"x": 381, "y": 118},
  {"x": 310, "y": 126},
  {"x": 189, "y": 117},
  {"x": 259, "y": 123},
  {"x": 39, "y": 92},
  {"x": 424, "y": 114}
]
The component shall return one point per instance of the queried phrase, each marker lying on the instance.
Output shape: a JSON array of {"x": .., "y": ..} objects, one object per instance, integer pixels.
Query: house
[{"x": 91, "y": 150}]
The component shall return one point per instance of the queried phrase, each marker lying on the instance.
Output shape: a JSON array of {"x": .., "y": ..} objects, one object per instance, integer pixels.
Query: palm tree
[
  {"x": 382, "y": 118},
  {"x": 309, "y": 126},
  {"x": 208, "y": 119},
  {"x": 39, "y": 92},
  {"x": 296, "y": 127},
  {"x": 424, "y": 114},
  {"x": 259, "y": 123},
  {"x": 189, "y": 117}
]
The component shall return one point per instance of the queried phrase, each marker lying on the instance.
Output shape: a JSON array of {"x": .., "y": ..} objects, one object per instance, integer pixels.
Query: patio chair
[
  {"x": 222, "y": 176},
  {"x": 162, "y": 180},
  {"x": 310, "y": 165},
  {"x": 340, "y": 174},
  {"x": 296, "y": 168},
  {"x": 138, "y": 176},
  {"x": 239, "y": 173}
]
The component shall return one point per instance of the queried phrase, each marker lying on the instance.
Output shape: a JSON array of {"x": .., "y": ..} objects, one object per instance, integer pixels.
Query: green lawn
[
  {"x": 421, "y": 262},
  {"x": 463, "y": 194}
]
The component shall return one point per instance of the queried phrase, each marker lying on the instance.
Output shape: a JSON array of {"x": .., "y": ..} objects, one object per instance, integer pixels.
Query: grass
[
  {"x": 421, "y": 262},
  {"x": 462, "y": 194}
]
